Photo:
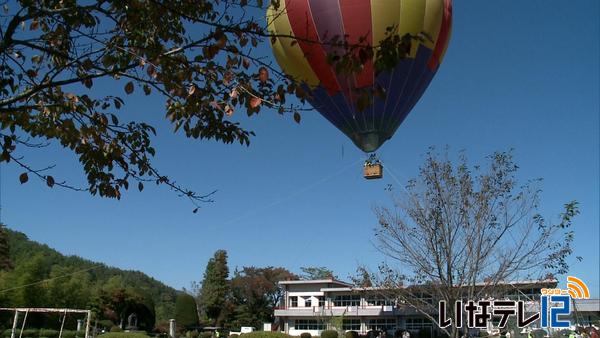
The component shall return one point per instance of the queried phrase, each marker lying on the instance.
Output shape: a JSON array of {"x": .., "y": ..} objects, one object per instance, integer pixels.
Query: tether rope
[{"x": 293, "y": 194}]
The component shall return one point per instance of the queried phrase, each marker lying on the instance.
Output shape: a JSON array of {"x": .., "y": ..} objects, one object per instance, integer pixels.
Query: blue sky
[{"x": 517, "y": 74}]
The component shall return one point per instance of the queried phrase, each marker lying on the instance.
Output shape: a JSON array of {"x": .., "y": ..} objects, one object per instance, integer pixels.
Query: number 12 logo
[{"x": 555, "y": 311}]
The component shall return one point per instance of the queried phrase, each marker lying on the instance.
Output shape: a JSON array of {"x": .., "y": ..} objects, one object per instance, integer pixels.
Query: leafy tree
[
  {"x": 76, "y": 282},
  {"x": 51, "y": 48},
  {"x": 186, "y": 311},
  {"x": 68, "y": 288},
  {"x": 30, "y": 292},
  {"x": 316, "y": 272},
  {"x": 116, "y": 302},
  {"x": 199, "y": 56},
  {"x": 460, "y": 232},
  {"x": 5, "y": 262},
  {"x": 215, "y": 290},
  {"x": 256, "y": 293}
]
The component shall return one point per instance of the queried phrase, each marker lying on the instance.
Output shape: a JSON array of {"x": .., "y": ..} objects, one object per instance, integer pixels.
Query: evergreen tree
[
  {"x": 5, "y": 262},
  {"x": 186, "y": 312},
  {"x": 215, "y": 288}
]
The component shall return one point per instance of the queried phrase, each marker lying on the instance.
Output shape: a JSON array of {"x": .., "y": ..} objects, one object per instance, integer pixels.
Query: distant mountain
[{"x": 91, "y": 276}]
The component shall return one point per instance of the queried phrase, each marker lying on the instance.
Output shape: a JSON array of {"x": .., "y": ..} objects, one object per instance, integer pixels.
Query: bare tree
[{"x": 464, "y": 232}]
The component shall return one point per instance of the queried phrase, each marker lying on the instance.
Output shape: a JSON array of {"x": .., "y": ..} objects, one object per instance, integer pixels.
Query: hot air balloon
[{"x": 300, "y": 23}]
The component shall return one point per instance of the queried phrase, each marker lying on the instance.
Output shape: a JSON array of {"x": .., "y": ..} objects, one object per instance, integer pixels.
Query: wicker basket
[{"x": 373, "y": 171}]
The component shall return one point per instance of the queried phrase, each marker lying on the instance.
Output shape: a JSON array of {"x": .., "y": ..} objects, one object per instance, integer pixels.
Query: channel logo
[
  {"x": 555, "y": 306},
  {"x": 557, "y": 302},
  {"x": 577, "y": 289}
]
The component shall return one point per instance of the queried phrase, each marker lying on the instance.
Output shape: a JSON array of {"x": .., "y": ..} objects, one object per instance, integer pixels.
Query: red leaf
[{"x": 255, "y": 102}]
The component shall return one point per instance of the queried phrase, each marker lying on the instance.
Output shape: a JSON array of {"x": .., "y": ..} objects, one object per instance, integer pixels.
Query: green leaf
[{"x": 23, "y": 178}]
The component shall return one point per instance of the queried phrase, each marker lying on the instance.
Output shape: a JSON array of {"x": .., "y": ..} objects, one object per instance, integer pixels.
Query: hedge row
[
  {"x": 43, "y": 333},
  {"x": 329, "y": 334},
  {"x": 264, "y": 334},
  {"x": 123, "y": 335}
]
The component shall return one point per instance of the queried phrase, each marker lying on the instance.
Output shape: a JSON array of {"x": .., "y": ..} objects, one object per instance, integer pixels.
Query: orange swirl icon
[{"x": 577, "y": 288}]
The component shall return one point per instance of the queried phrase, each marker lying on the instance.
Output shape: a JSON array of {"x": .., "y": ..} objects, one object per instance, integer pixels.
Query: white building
[{"x": 311, "y": 305}]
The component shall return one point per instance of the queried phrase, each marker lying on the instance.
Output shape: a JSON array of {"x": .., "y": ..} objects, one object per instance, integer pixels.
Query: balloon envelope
[{"x": 334, "y": 95}]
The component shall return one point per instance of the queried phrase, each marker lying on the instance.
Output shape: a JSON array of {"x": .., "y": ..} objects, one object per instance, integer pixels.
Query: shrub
[
  {"x": 8, "y": 332},
  {"x": 31, "y": 333},
  {"x": 106, "y": 323},
  {"x": 48, "y": 333},
  {"x": 329, "y": 334},
  {"x": 68, "y": 334},
  {"x": 372, "y": 334},
  {"x": 305, "y": 335},
  {"x": 115, "y": 328},
  {"x": 192, "y": 334},
  {"x": 206, "y": 334},
  {"x": 398, "y": 334},
  {"x": 123, "y": 335},
  {"x": 351, "y": 334},
  {"x": 265, "y": 334}
]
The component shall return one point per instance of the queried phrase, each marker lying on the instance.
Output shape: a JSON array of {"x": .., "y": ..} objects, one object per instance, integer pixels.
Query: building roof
[
  {"x": 587, "y": 305},
  {"x": 344, "y": 286},
  {"x": 315, "y": 281}
]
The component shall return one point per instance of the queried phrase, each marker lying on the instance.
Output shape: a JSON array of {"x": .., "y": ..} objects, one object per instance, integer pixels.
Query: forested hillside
[{"x": 71, "y": 281}]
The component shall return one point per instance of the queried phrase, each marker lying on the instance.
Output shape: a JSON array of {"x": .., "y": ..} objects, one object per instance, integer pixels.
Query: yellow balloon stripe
[
  {"x": 385, "y": 13},
  {"x": 412, "y": 19},
  {"x": 289, "y": 57},
  {"x": 433, "y": 21}
]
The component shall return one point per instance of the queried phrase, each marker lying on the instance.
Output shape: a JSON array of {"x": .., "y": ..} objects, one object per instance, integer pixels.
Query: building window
[
  {"x": 382, "y": 324},
  {"x": 309, "y": 324},
  {"x": 415, "y": 324},
  {"x": 351, "y": 324},
  {"x": 308, "y": 302},
  {"x": 530, "y": 294},
  {"x": 380, "y": 301},
  {"x": 424, "y": 297},
  {"x": 321, "y": 301},
  {"x": 293, "y": 301},
  {"x": 346, "y": 300}
]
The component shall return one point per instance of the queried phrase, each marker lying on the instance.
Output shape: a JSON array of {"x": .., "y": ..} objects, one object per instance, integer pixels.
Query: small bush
[
  {"x": 115, "y": 328},
  {"x": 31, "y": 333},
  {"x": 398, "y": 334},
  {"x": 192, "y": 334},
  {"x": 8, "y": 332},
  {"x": 206, "y": 334},
  {"x": 329, "y": 334},
  {"x": 123, "y": 335},
  {"x": 48, "y": 333},
  {"x": 305, "y": 335},
  {"x": 265, "y": 334},
  {"x": 106, "y": 323},
  {"x": 351, "y": 334},
  {"x": 68, "y": 334},
  {"x": 372, "y": 334}
]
